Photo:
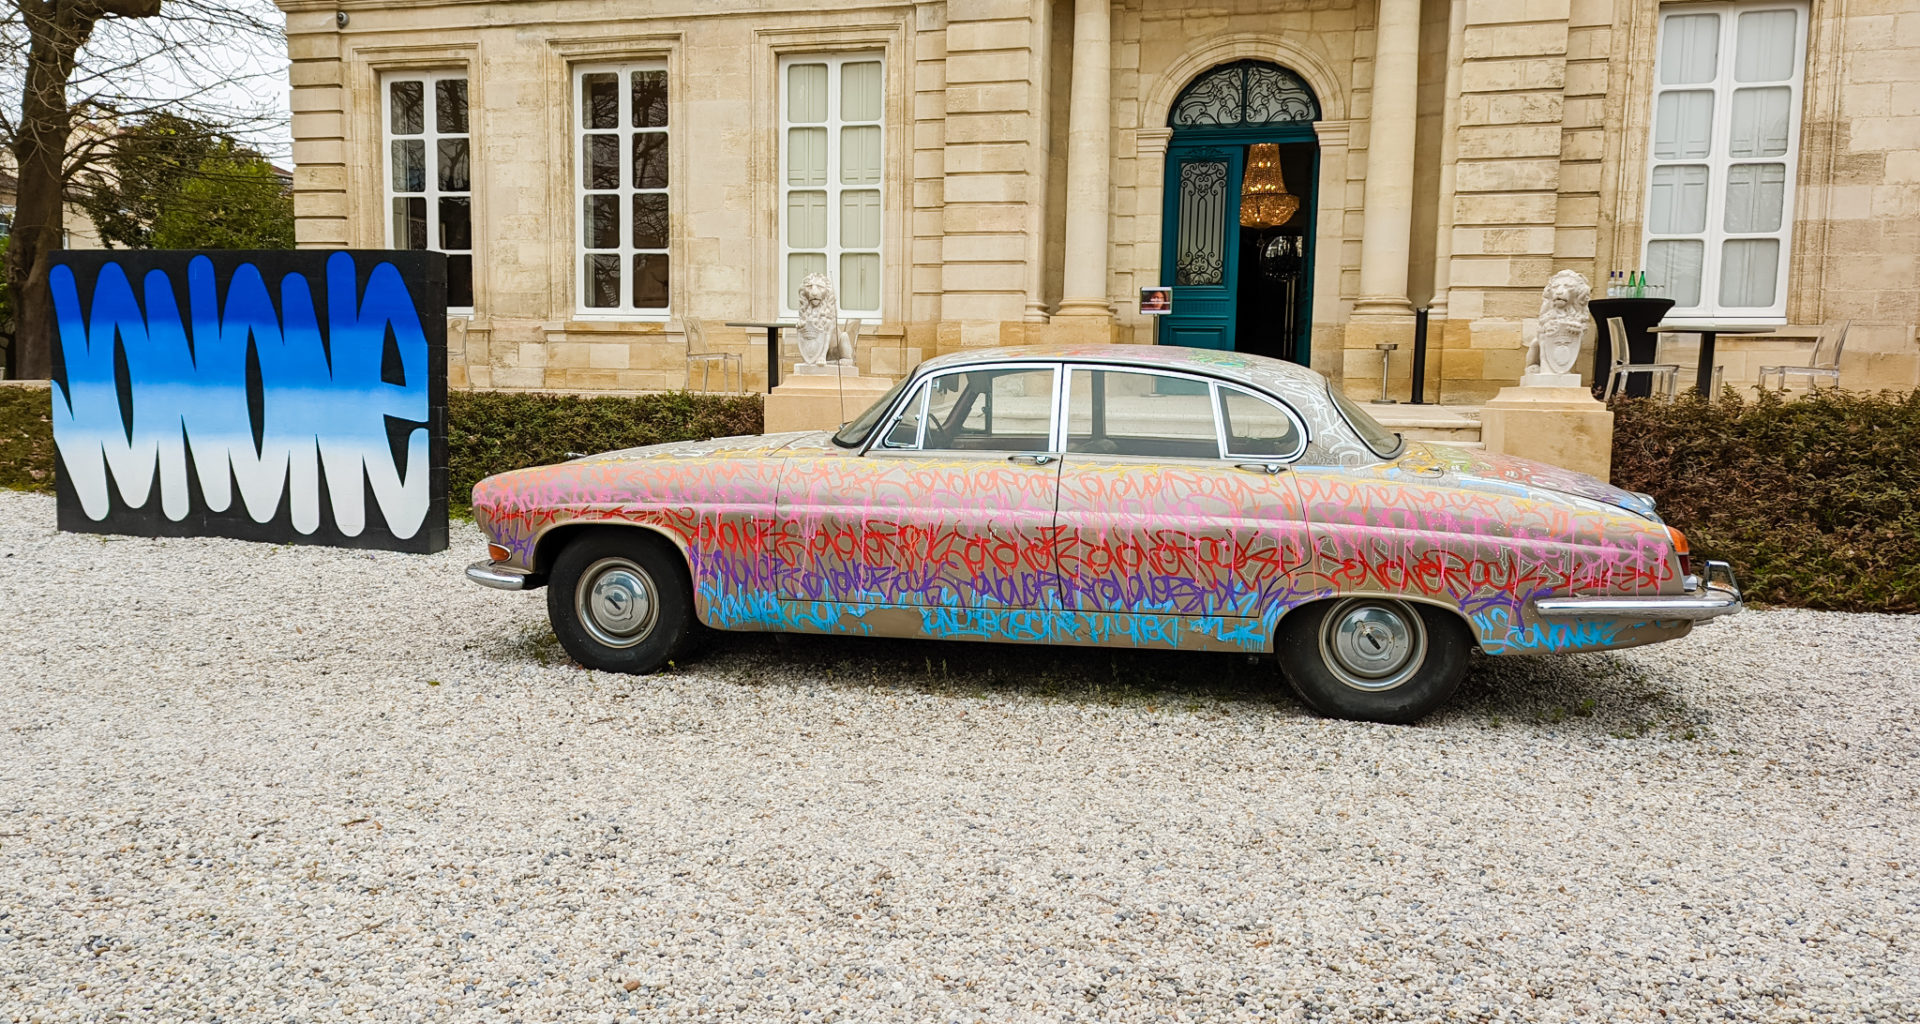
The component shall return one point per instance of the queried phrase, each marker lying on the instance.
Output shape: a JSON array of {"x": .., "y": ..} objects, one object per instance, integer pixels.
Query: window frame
[
  {"x": 917, "y": 398},
  {"x": 833, "y": 186},
  {"x": 1220, "y": 389},
  {"x": 1720, "y": 161},
  {"x": 624, "y": 131},
  {"x": 430, "y": 137}
]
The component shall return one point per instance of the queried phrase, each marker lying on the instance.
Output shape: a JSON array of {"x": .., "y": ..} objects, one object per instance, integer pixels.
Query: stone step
[{"x": 1447, "y": 424}]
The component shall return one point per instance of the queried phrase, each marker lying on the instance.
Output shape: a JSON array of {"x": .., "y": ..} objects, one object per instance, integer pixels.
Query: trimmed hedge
[
  {"x": 487, "y": 431},
  {"x": 26, "y": 439},
  {"x": 491, "y": 432},
  {"x": 1815, "y": 501}
]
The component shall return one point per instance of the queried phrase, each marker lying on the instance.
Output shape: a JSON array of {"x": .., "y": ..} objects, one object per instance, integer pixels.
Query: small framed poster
[{"x": 1156, "y": 301}]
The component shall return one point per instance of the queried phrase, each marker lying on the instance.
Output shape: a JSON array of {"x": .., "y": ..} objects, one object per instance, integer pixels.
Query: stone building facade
[{"x": 989, "y": 172}]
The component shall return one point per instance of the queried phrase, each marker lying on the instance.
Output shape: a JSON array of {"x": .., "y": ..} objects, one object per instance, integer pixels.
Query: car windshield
[
  {"x": 1385, "y": 443},
  {"x": 854, "y": 434}
]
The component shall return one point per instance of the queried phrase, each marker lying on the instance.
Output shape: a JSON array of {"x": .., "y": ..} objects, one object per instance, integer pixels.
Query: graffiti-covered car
[{"x": 1120, "y": 496}]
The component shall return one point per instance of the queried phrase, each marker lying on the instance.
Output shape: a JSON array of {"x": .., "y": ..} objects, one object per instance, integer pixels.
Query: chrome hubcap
[
  {"x": 1372, "y": 644},
  {"x": 615, "y": 602}
]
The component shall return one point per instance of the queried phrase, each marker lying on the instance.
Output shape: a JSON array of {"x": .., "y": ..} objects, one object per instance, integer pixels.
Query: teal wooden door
[{"x": 1200, "y": 257}]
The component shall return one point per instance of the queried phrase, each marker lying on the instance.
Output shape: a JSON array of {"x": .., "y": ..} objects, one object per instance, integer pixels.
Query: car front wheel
[
  {"x": 1373, "y": 659},
  {"x": 620, "y": 603}
]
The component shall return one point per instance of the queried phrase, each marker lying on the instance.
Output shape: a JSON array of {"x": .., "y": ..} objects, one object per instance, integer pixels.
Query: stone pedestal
[
  {"x": 1563, "y": 426},
  {"x": 821, "y": 398}
]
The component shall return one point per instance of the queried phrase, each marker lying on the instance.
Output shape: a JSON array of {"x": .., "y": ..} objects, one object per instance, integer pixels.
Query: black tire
[
  {"x": 1373, "y": 659},
  {"x": 620, "y": 601}
]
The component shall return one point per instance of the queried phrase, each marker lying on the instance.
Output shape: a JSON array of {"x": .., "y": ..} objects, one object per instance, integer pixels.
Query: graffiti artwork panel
[{"x": 289, "y": 396}]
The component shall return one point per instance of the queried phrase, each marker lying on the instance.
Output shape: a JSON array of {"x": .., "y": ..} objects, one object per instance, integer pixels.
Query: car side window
[
  {"x": 904, "y": 432},
  {"x": 1006, "y": 409},
  {"x": 1258, "y": 428},
  {"x": 1140, "y": 413}
]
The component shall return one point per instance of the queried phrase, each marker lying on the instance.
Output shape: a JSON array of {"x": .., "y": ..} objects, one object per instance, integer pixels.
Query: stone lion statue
[
  {"x": 1563, "y": 323},
  {"x": 821, "y": 340}
]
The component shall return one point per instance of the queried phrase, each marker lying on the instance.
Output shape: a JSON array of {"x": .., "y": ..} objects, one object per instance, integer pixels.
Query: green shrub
[
  {"x": 487, "y": 431},
  {"x": 491, "y": 432},
  {"x": 26, "y": 439},
  {"x": 1815, "y": 501}
]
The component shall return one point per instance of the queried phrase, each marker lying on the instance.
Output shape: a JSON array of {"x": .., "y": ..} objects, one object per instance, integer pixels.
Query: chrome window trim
[
  {"x": 915, "y": 394},
  {"x": 1220, "y": 415},
  {"x": 922, "y": 385}
]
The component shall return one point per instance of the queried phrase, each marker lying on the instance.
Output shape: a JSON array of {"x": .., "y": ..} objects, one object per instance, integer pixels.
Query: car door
[
  {"x": 1156, "y": 521},
  {"x": 951, "y": 505}
]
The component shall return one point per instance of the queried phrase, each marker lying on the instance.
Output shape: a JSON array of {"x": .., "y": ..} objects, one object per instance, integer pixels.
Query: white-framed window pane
[
  {"x": 1683, "y": 125},
  {"x": 799, "y": 265},
  {"x": 1760, "y": 120},
  {"x": 602, "y": 222},
  {"x": 603, "y": 280},
  {"x": 649, "y": 160},
  {"x": 860, "y": 93},
  {"x": 860, "y": 220},
  {"x": 650, "y": 220},
  {"x": 1749, "y": 269},
  {"x": 450, "y": 106},
  {"x": 860, "y": 155},
  {"x": 806, "y": 220},
  {"x": 1149, "y": 415},
  {"x": 1756, "y": 197},
  {"x": 807, "y": 157},
  {"x": 600, "y": 101},
  {"x": 1677, "y": 201},
  {"x": 807, "y": 93},
  {"x": 1689, "y": 49},
  {"x": 409, "y": 165},
  {"x": 429, "y": 173},
  {"x": 860, "y": 280},
  {"x": 1256, "y": 426},
  {"x": 1764, "y": 49},
  {"x": 623, "y": 190},
  {"x": 1676, "y": 265},
  {"x": 649, "y": 100},
  {"x": 407, "y": 108}
]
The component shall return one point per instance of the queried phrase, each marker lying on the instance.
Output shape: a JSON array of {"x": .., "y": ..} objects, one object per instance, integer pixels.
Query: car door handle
[
  {"x": 1269, "y": 468},
  {"x": 1031, "y": 460}
]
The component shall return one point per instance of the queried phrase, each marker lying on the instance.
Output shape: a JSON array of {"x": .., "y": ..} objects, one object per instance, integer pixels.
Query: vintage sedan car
[{"x": 1121, "y": 496}]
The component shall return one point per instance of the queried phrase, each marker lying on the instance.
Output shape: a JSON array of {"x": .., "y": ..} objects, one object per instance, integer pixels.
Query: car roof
[{"x": 1260, "y": 371}]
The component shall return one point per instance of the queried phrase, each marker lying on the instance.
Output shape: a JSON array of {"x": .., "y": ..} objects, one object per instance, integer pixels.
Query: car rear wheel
[
  {"x": 1373, "y": 659},
  {"x": 620, "y": 601}
]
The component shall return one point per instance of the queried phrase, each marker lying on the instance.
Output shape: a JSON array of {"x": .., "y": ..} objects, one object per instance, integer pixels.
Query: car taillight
[
  {"x": 498, "y": 553},
  {"x": 1681, "y": 548}
]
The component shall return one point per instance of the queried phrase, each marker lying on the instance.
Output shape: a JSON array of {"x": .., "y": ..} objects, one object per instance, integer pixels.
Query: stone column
[
  {"x": 1089, "y": 114},
  {"x": 1387, "y": 229},
  {"x": 1449, "y": 154}
]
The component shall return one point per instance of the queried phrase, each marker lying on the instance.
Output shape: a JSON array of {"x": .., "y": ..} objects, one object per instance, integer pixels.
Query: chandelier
[{"x": 1264, "y": 199}]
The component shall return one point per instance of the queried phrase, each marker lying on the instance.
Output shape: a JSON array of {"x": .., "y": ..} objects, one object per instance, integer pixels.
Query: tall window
[
  {"x": 620, "y": 119},
  {"x": 831, "y": 161},
  {"x": 429, "y": 174},
  {"x": 1726, "y": 135}
]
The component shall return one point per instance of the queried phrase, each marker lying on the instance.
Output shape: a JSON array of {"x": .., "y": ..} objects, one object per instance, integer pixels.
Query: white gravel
[{"x": 247, "y": 783}]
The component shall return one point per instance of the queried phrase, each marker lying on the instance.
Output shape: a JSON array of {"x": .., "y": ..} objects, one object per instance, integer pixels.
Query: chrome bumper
[
  {"x": 499, "y": 577},
  {"x": 1710, "y": 597}
]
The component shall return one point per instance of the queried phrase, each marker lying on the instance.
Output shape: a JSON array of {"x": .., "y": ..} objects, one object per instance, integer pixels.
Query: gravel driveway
[{"x": 241, "y": 782}]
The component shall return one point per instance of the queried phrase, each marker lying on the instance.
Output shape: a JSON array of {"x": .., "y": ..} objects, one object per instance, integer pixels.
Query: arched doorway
[{"x": 1242, "y": 279}]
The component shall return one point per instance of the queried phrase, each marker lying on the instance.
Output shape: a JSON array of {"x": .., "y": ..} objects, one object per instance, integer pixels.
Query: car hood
[
  {"x": 744, "y": 446},
  {"x": 1478, "y": 469}
]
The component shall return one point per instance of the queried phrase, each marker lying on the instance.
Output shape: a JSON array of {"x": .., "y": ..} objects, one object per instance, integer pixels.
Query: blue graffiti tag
[{"x": 324, "y": 407}]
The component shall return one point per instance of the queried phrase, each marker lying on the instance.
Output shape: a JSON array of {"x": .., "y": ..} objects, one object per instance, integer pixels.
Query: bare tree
[{"x": 73, "y": 71}]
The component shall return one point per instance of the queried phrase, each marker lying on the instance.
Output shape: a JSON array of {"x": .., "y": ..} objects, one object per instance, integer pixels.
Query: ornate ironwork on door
[
  {"x": 1201, "y": 248},
  {"x": 1247, "y": 92}
]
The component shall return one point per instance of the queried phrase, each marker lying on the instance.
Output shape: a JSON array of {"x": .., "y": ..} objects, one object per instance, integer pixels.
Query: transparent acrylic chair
[
  {"x": 1826, "y": 360},
  {"x": 698, "y": 352},
  {"x": 1666, "y": 375}
]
